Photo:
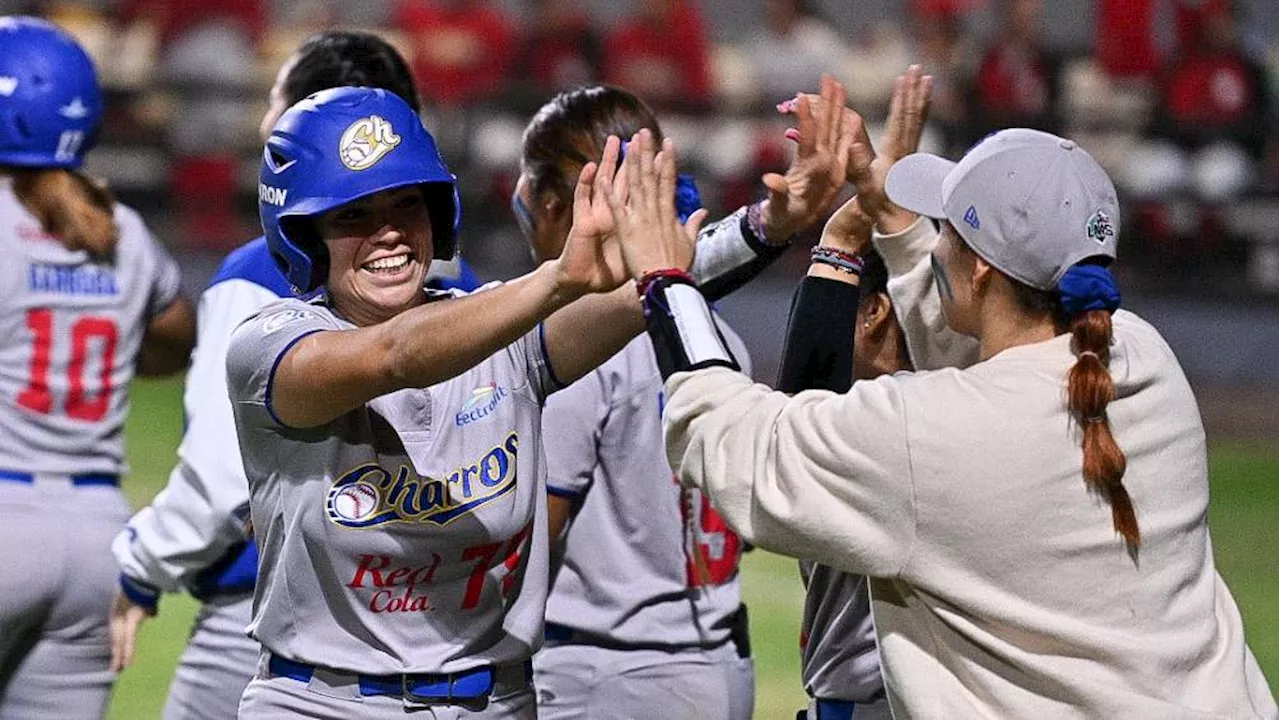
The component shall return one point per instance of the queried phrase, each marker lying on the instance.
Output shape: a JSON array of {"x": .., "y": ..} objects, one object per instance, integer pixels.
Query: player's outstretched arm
[{"x": 324, "y": 375}]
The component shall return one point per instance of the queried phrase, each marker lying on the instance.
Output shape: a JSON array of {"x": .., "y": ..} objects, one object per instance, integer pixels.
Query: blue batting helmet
[
  {"x": 337, "y": 146},
  {"x": 50, "y": 104}
]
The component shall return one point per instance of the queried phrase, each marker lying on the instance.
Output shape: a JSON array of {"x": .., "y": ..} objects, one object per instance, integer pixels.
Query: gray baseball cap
[{"x": 1030, "y": 203}]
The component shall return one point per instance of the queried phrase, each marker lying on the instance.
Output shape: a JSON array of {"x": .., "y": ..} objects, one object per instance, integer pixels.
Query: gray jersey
[
  {"x": 408, "y": 535},
  {"x": 627, "y": 573},
  {"x": 837, "y": 637},
  {"x": 70, "y": 331}
]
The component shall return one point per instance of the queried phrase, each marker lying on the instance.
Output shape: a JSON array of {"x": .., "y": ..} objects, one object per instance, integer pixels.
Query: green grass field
[{"x": 1243, "y": 518}]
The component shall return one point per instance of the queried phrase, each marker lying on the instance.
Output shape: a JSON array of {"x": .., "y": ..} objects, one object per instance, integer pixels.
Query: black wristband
[
  {"x": 819, "y": 349},
  {"x": 684, "y": 335}
]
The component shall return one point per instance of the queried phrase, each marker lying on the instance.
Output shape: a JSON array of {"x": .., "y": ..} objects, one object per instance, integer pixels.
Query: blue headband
[
  {"x": 1088, "y": 287},
  {"x": 688, "y": 200}
]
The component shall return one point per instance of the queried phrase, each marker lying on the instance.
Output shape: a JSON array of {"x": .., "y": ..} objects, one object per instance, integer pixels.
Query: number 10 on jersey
[{"x": 87, "y": 332}]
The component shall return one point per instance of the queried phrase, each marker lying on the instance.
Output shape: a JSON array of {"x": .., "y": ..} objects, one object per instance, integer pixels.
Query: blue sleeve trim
[
  {"x": 271, "y": 377},
  {"x": 563, "y": 492},
  {"x": 140, "y": 593},
  {"x": 235, "y": 572},
  {"x": 253, "y": 262},
  {"x": 546, "y": 357}
]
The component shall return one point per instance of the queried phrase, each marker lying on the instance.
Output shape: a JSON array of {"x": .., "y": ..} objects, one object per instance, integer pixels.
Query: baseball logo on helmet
[{"x": 366, "y": 141}]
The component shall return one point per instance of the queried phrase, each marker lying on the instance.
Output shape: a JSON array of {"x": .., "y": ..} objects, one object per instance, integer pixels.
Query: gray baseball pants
[
  {"x": 586, "y": 682},
  {"x": 217, "y": 664},
  {"x": 55, "y": 596}
]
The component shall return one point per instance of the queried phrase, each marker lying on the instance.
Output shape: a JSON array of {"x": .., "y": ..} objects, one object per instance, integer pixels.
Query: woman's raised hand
[
  {"x": 591, "y": 261},
  {"x": 804, "y": 195},
  {"x": 642, "y": 197},
  {"x": 908, "y": 111}
]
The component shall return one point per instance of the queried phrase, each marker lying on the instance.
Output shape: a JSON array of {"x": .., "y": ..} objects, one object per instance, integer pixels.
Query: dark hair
[
  {"x": 1089, "y": 390},
  {"x": 343, "y": 58},
  {"x": 875, "y": 276},
  {"x": 570, "y": 130}
]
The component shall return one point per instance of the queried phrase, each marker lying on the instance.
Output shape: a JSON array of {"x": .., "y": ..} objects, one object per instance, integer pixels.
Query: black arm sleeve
[
  {"x": 675, "y": 313},
  {"x": 818, "y": 354}
]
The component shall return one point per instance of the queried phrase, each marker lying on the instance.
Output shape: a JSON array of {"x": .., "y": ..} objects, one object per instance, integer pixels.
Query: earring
[{"x": 866, "y": 325}]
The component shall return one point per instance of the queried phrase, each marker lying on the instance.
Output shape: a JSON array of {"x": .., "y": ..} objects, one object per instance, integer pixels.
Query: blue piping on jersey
[
  {"x": 271, "y": 377},
  {"x": 562, "y": 492},
  {"x": 546, "y": 357}
]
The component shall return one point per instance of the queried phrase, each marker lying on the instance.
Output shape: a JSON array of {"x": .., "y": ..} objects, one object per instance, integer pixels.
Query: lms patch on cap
[
  {"x": 366, "y": 141},
  {"x": 1100, "y": 228}
]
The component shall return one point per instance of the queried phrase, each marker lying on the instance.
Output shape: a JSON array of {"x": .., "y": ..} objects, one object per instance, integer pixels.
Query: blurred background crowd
[{"x": 1177, "y": 98}]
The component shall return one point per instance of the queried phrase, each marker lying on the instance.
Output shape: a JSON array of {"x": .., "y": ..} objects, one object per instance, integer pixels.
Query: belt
[
  {"x": 834, "y": 709},
  {"x": 78, "y": 479},
  {"x": 557, "y": 634},
  {"x": 435, "y": 688}
]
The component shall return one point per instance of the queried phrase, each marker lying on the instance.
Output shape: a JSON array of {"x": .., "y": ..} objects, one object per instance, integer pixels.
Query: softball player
[
  {"x": 391, "y": 437},
  {"x": 645, "y": 618},
  {"x": 1000, "y": 585},
  {"x": 194, "y": 535},
  {"x": 89, "y": 298}
]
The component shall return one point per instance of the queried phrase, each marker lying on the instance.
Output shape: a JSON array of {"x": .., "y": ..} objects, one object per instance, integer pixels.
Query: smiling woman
[
  {"x": 375, "y": 432},
  {"x": 379, "y": 251}
]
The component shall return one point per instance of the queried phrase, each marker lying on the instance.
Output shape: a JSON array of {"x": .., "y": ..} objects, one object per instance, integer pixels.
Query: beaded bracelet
[
  {"x": 846, "y": 262},
  {"x": 642, "y": 285},
  {"x": 755, "y": 223}
]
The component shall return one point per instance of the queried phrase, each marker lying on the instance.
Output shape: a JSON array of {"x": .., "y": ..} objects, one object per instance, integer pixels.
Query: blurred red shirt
[
  {"x": 665, "y": 61},
  {"x": 462, "y": 51},
  {"x": 174, "y": 17}
]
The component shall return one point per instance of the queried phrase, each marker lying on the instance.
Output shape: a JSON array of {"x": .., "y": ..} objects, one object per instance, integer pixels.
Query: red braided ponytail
[{"x": 1089, "y": 390}]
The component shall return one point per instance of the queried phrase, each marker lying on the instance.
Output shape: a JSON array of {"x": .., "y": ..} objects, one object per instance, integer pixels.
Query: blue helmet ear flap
[{"x": 310, "y": 253}]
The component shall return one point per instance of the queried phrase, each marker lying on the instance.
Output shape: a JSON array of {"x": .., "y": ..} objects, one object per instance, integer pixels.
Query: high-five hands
[
  {"x": 908, "y": 111},
  {"x": 803, "y": 196},
  {"x": 641, "y": 197},
  {"x": 867, "y": 169},
  {"x": 591, "y": 261}
]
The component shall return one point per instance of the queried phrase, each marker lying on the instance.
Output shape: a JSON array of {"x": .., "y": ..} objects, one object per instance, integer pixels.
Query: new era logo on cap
[{"x": 971, "y": 217}]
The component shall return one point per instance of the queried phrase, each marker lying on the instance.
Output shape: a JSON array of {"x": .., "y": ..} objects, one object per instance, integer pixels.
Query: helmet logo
[
  {"x": 366, "y": 141},
  {"x": 8, "y": 86},
  {"x": 74, "y": 110}
]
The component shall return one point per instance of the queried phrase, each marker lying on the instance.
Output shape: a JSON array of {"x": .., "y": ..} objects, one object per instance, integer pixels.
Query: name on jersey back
[{"x": 79, "y": 279}]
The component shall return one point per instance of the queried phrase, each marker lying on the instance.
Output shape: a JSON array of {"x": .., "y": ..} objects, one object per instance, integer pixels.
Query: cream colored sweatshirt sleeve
[
  {"x": 930, "y": 343},
  {"x": 817, "y": 475}
]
